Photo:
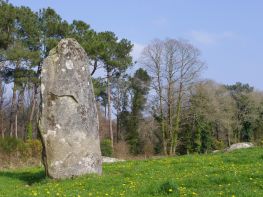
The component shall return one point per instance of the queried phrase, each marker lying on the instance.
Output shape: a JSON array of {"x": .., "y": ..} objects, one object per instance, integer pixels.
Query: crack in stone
[{"x": 55, "y": 96}]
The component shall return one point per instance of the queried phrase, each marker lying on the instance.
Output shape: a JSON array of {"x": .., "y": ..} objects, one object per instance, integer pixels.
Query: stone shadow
[{"x": 29, "y": 178}]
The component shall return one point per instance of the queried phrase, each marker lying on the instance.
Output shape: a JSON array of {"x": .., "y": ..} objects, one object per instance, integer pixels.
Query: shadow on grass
[{"x": 29, "y": 178}]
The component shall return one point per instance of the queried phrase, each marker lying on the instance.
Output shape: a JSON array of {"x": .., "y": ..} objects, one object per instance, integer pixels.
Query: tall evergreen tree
[{"x": 140, "y": 86}]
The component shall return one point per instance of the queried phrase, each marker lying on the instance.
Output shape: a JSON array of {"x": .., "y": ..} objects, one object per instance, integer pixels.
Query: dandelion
[{"x": 170, "y": 190}]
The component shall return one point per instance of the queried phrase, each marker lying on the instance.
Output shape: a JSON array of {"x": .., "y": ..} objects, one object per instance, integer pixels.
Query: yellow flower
[{"x": 170, "y": 190}]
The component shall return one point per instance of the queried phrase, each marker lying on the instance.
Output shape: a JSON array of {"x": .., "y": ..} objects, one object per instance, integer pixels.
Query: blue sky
[{"x": 228, "y": 33}]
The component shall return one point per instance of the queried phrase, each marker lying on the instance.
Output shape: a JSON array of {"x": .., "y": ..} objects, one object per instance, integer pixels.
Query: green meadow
[{"x": 239, "y": 173}]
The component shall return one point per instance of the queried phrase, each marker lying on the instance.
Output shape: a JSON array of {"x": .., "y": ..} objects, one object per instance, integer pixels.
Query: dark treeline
[{"x": 161, "y": 108}]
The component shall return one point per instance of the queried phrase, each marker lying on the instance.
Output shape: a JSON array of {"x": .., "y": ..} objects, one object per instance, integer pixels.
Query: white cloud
[{"x": 207, "y": 38}]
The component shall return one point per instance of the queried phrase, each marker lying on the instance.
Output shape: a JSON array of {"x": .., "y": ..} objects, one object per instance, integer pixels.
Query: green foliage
[
  {"x": 99, "y": 86},
  {"x": 140, "y": 87},
  {"x": 206, "y": 141},
  {"x": 106, "y": 148},
  {"x": 33, "y": 148},
  {"x": 239, "y": 88},
  {"x": 196, "y": 140},
  {"x": 23, "y": 150},
  {"x": 27, "y": 37},
  {"x": 246, "y": 131},
  {"x": 238, "y": 173},
  {"x": 29, "y": 131},
  {"x": 218, "y": 145},
  {"x": 245, "y": 110},
  {"x": 7, "y": 26},
  {"x": 184, "y": 145},
  {"x": 9, "y": 145},
  {"x": 115, "y": 54},
  {"x": 21, "y": 46},
  {"x": 53, "y": 28}
]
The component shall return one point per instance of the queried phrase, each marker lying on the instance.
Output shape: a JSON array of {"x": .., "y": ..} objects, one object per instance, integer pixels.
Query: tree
[
  {"x": 19, "y": 52},
  {"x": 116, "y": 59},
  {"x": 140, "y": 86},
  {"x": 244, "y": 111},
  {"x": 173, "y": 65},
  {"x": 211, "y": 111},
  {"x": 99, "y": 86},
  {"x": 120, "y": 89},
  {"x": 189, "y": 68},
  {"x": 26, "y": 39},
  {"x": 53, "y": 29},
  {"x": 151, "y": 58}
]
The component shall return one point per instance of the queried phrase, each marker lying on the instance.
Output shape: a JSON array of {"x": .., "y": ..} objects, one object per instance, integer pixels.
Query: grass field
[{"x": 239, "y": 173}]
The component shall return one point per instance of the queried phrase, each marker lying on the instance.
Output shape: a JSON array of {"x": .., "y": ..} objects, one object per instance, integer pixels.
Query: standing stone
[{"x": 68, "y": 125}]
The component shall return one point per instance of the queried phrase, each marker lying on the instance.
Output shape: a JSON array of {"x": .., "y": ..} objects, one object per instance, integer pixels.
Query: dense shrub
[
  {"x": 9, "y": 145},
  {"x": 218, "y": 145},
  {"x": 33, "y": 148},
  {"x": 106, "y": 149},
  {"x": 260, "y": 143},
  {"x": 24, "y": 149}
]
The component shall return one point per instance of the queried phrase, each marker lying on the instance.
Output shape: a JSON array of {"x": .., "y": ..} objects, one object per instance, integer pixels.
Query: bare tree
[
  {"x": 152, "y": 59},
  {"x": 189, "y": 68},
  {"x": 173, "y": 65}
]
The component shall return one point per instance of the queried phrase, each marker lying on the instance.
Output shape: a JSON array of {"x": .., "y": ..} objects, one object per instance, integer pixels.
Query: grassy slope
[{"x": 230, "y": 174}]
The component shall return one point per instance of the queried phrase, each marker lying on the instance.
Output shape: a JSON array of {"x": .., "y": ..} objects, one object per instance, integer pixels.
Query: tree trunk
[
  {"x": 16, "y": 126},
  {"x": 162, "y": 118},
  {"x": 162, "y": 125},
  {"x": 33, "y": 105},
  {"x": 177, "y": 118},
  {"x": 13, "y": 112},
  {"x": 228, "y": 138},
  {"x": 2, "y": 125},
  {"x": 32, "y": 110},
  {"x": 118, "y": 128},
  {"x": 20, "y": 113},
  {"x": 105, "y": 111},
  {"x": 109, "y": 107}
]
